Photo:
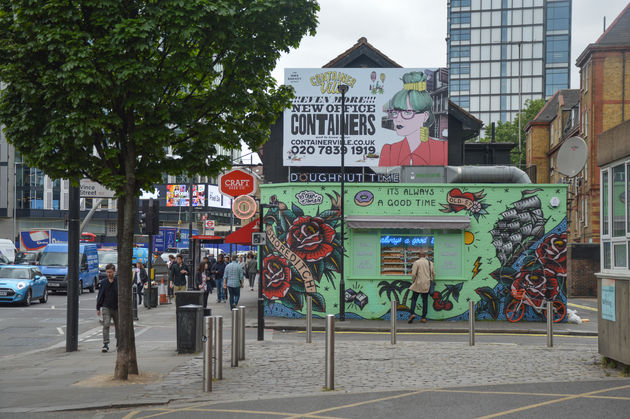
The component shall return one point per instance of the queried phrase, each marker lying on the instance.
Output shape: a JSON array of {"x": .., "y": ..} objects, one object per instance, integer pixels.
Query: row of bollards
[{"x": 213, "y": 345}]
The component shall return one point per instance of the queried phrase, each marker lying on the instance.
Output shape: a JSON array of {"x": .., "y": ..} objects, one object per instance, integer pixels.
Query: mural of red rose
[
  {"x": 536, "y": 285},
  {"x": 310, "y": 238},
  {"x": 276, "y": 277}
]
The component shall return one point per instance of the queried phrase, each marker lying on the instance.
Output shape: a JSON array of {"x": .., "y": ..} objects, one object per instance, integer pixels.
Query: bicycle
[{"x": 516, "y": 309}]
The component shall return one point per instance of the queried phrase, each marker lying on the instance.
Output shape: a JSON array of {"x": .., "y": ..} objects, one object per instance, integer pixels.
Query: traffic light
[
  {"x": 150, "y": 217},
  {"x": 142, "y": 220},
  {"x": 178, "y": 237}
]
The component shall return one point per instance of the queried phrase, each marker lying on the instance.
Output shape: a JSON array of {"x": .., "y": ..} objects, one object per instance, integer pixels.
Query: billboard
[
  {"x": 177, "y": 195},
  {"x": 216, "y": 198},
  {"x": 388, "y": 117}
]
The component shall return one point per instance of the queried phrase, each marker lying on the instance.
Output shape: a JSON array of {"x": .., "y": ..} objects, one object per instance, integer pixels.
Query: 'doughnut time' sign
[{"x": 388, "y": 118}]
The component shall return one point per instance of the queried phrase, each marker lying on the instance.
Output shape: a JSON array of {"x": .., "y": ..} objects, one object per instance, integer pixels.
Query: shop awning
[
  {"x": 244, "y": 234},
  {"x": 457, "y": 222},
  {"x": 206, "y": 239}
]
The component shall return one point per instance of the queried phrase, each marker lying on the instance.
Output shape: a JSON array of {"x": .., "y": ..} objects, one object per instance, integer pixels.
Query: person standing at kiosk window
[{"x": 422, "y": 273}]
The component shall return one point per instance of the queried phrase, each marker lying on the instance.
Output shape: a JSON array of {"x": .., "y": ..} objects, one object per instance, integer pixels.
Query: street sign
[
  {"x": 204, "y": 217},
  {"x": 237, "y": 182},
  {"x": 91, "y": 189},
  {"x": 259, "y": 239},
  {"x": 244, "y": 207},
  {"x": 209, "y": 224}
]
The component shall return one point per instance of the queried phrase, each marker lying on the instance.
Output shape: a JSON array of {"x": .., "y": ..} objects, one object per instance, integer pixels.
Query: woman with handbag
[{"x": 422, "y": 274}]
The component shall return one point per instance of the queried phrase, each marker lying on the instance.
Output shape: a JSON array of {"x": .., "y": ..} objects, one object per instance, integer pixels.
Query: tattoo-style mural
[
  {"x": 472, "y": 202},
  {"x": 513, "y": 253}
]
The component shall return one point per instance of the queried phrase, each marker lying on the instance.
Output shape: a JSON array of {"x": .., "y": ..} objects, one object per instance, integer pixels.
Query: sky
[{"x": 413, "y": 32}]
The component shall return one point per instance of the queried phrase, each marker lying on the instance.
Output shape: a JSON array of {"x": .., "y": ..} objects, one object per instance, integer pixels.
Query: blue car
[{"x": 22, "y": 284}]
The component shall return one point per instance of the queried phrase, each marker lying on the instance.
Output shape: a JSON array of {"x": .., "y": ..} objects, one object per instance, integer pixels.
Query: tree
[
  {"x": 101, "y": 88},
  {"x": 507, "y": 132}
]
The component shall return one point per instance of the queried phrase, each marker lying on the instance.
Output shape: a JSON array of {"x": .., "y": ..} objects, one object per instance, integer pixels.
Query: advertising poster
[
  {"x": 177, "y": 195},
  {"x": 389, "y": 118},
  {"x": 216, "y": 198},
  {"x": 608, "y": 300}
]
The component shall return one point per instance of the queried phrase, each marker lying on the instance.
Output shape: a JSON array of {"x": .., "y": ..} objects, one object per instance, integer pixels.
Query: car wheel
[
  {"x": 28, "y": 298},
  {"x": 80, "y": 287},
  {"x": 44, "y": 298},
  {"x": 92, "y": 287}
]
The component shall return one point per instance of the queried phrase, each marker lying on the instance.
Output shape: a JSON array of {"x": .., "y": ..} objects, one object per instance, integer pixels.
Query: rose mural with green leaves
[{"x": 469, "y": 230}]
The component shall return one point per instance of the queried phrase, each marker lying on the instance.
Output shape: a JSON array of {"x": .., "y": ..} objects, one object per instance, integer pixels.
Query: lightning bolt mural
[{"x": 476, "y": 269}]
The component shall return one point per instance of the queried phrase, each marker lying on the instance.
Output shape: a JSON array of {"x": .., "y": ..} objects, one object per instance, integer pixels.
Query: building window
[
  {"x": 557, "y": 78},
  {"x": 462, "y": 18},
  {"x": 604, "y": 199},
  {"x": 460, "y": 52},
  {"x": 459, "y": 85},
  {"x": 460, "y": 3},
  {"x": 460, "y": 68},
  {"x": 460, "y": 35},
  {"x": 463, "y": 101},
  {"x": 558, "y": 16},
  {"x": 615, "y": 216},
  {"x": 557, "y": 49}
]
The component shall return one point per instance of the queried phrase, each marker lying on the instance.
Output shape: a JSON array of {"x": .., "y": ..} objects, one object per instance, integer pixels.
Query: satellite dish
[{"x": 572, "y": 156}]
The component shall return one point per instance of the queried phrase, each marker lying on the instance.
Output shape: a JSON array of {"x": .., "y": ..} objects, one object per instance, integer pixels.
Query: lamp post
[
  {"x": 261, "y": 301},
  {"x": 342, "y": 150}
]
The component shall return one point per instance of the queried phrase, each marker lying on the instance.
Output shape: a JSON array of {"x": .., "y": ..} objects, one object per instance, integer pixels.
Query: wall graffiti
[{"x": 515, "y": 242}]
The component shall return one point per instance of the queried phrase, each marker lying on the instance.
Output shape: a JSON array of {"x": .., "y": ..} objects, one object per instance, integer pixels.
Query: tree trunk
[{"x": 126, "y": 362}]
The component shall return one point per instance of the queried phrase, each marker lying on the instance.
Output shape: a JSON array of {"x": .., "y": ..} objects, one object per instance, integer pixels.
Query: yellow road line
[
  {"x": 347, "y": 406},
  {"x": 562, "y": 399},
  {"x": 582, "y": 307},
  {"x": 523, "y": 393}
]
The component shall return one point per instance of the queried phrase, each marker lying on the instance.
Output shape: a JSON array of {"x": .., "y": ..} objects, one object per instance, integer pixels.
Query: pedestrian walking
[
  {"x": 140, "y": 278},
  {"x": 252, "y": 270},
  {"x": 218, "y": 269},
  {"x": 422, "y": 273},
  {"x": 233, "y": 281},
  {"x": 209, "y": 276},
  {"x": 171, "y": 261},
  {"x": 203, "y": 281},
  {"x": 178, "y": 275},
  {"x": 107, "y": 302}
]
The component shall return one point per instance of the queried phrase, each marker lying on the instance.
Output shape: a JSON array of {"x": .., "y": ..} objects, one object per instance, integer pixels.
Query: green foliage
[
  {"x": 507, "y": 132},
  {"x": 101, "y": 88}
]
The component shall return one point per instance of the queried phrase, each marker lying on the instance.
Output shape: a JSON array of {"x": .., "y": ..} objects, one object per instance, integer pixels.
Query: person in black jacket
[
  {"x": 140, "y": 278},
  {"x": 178, "y": 275},
  {"x": 107, "y": 302},
  {"x": 218, "y": 269}
]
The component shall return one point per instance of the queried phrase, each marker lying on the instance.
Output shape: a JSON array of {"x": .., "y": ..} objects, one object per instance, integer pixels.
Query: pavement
[{"x": 51, "y": 380}]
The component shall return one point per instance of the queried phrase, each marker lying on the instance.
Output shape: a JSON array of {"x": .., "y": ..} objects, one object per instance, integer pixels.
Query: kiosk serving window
[{"x": 398, "y": 252}]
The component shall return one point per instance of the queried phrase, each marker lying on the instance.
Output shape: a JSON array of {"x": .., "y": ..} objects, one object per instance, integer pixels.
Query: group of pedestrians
[{"x": 225, "y": 275}]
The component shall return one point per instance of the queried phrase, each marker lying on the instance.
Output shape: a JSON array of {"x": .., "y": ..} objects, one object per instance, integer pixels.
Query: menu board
[
  {"x": 448, "y": 256},
  {"x": 366, "y": 255}
]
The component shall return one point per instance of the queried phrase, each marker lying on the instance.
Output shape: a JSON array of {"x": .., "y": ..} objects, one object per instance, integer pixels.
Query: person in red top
[{"x": 410, "y": 111}]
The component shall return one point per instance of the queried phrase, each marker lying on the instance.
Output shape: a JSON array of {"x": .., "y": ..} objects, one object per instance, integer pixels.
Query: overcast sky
[{"x": 413, "y": 32}]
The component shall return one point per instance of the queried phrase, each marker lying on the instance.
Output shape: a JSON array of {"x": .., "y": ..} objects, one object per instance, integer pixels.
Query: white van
[{"x": 7, "y": 248}]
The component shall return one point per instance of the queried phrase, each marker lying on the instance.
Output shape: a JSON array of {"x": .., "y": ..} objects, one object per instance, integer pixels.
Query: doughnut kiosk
[{"x": 481, "y": 237}]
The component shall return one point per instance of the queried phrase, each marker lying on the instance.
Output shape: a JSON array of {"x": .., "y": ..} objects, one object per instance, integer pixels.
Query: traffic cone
[{"x": 162, "y": 290}]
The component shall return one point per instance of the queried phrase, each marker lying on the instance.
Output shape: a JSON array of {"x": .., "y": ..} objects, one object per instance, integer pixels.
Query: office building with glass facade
[{"x": 503, "y": 52}]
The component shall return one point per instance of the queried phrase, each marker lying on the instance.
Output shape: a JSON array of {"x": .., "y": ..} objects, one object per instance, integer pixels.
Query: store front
[{"x": 483, "y": 238}]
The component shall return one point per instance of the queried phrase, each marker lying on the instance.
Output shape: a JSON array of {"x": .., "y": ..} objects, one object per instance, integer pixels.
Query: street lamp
[{"x": 343, "y": 88}]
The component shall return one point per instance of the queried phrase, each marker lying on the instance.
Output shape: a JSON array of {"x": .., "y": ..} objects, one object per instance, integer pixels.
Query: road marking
[
  {"x": 347, "y": 406},
  {"x": 548, "y": 402},
  {"x": 82, "y": 336},
  {"x": 60, "y": 330},
  {"x": 581, "y": 306}
]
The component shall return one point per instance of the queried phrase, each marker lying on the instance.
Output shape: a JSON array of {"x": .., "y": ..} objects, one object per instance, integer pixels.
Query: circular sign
[
  {"x": 244, "y": 207},
  {"x": 209, "y": 223}
]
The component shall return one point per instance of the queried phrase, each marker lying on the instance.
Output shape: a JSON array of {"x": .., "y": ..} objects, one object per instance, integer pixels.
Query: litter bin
[
  {"x": 189, "y": 328},
  {"x": 150, "y": 300},
  {"x": 183, "y": 298}
]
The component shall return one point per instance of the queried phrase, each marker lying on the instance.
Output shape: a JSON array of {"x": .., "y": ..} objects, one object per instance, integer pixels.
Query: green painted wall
[{"x": 517, "y": 236}]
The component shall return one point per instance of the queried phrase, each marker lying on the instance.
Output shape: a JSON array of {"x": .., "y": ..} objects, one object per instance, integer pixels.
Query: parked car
[
  {"x": 22, "y": 284},
  {"x": 7, "y": 248},
  {"x": 27, "y": 258}
]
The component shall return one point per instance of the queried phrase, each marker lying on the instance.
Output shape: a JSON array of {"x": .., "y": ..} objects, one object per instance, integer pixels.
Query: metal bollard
[
  {"x": 309, "y": 319},
  {"x": 394, "y": 314},
  {"x": 207, "y": 354},
  {"x": 330, "y": 352},
  {"x": 235, "y": 334},
  {"x": 241, "y": 336},
  {"x": 471, "y": 323},
  {"x": 217, "y": 346},
  {"x": 549, "y": 324},
  {"x": 134, "y": 296}
]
